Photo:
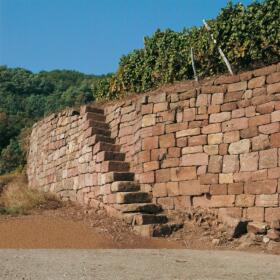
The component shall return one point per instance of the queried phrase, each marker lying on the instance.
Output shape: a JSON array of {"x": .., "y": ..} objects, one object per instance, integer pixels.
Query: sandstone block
[
  {"x": 237, "y": 86},
  {"x": 249, "y": 132},
  {"x": 166, "y": 203},
  {"x": 188, "y": 132},
  {"x": 167, "y": 140},
  {"x": 225, "y": 178},
  {"x": 218, "y": 189},
  {"x": 267, "y": 200},
  {"x": 159, "y": 190},
  {"x": 159, "y": 107},
  {"x": 192, "y": 150},
  {"x": 163, "y": 175},
  {"x": 216, "y": 138},
  {"x": 194, "y": 159},
  {"x": 182, "y": 202},
  {"x": 148, "y": 120},
  {"x": 211, "y": 149},
  {"x": 274, "y": 173},
  {"x": 219, "y": 117},
  {"x": 202, "y": 100},
  {"x": 268, "y": 158},
  {"x": 255, "y": 214},
  {"x": 249, "y": 161},
  {"x": 275, "y": 116},
  {"x": 260, "y": 142},
  {"x": 273, "y": 78},
  {"x": 189, "y": 114},
  {"x": 183, "y": 173},
  {"x": 275, "y": 140},
  {"x": 197, "y": 140},
  {"x": 223, "y": 149},
  {"x": 235, "y": 124},
  {"x": 147, "y": 177},
  {"x": 215, "y": 164},
  {"x": 222, "y": 200},
  {"x": 151, "y": 165},
  {"x": 266, "y": 108},
  {"x": 272, "y": 214},
  {"x": 172, "y": 188},
  {"x": 259, "y": 120},
  {"x": 238, "y": 113},
  {"x": 191, "y": 187},
  {"x": 261, "y": 187},
  {"x": 245, "y": 200},
  {"x": 208, "y": 179},
  {"x": 256, "y": 82},
  {"x": 231, "y": 136},
  {"x": 217, "y": 98},
  {"x": 269, "y": 128},
  {"x": 211, "y": 128},
  {"x": 230, "y": 164},
  {"x": 235, "y": 188},
  {"x": 273, "y": 88},
  {"x": 150, "y": 143},
  {"x": 240, "y": 147}
]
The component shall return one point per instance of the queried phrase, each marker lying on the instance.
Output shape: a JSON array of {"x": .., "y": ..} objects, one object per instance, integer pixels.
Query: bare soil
[{"x": 73, "y": 227}]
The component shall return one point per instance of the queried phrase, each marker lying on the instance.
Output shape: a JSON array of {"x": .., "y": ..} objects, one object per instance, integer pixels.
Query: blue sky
[{"x": 89, "y": 35}]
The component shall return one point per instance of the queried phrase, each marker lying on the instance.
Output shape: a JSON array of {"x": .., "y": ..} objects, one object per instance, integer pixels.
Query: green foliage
[
  {"x": 249, "y": 37},
  {"x": 25, "y": 97},
  {"x": 11, "y": 157}
]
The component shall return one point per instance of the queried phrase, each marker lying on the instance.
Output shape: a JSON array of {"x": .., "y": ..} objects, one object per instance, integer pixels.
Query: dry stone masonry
[{"x": 213, "y": 144}]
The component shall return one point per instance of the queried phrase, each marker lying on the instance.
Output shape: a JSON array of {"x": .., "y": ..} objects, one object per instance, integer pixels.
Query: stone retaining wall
[{"x": 212, "y": 144}]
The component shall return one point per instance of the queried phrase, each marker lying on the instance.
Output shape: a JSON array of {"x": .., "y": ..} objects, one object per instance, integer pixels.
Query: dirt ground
[{"x": 72, "y": 227}]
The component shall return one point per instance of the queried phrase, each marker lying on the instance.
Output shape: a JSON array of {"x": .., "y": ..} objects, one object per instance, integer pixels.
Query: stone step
[
  {"x": 125, "y": 186},
  {"x": 117, "y": 176},
  {"x": 100, "y": 131},
  {"x": 110, "y": 165},
  {"x": 149, "y": 208},
  {"x": 100, "y": 138},
  {"x": 98, "y": 124},
  {"x": 157, "y": 230},
  {"x": 91, "y": 109},
  {"x": 95, "y": 116},
  {"x": 132, "y": 197},
  {"x": 107, "y": 155},
  {"x": 103, "y": 146}
]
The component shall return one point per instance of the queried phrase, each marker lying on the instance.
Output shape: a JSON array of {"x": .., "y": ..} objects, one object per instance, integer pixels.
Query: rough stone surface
[{"x": 209, "y": 145}]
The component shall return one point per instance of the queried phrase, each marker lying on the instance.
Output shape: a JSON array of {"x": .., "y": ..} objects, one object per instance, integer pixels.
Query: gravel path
[{"x": 136, "y": 264}]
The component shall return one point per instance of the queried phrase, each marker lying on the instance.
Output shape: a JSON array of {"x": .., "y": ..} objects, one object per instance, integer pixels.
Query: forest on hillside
[
  {"x": 25, "y": 97},
  {"x": 249, "y": 36}
]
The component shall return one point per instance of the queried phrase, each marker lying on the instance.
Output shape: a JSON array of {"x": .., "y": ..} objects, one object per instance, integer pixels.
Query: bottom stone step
[
  {"x": 146, "y": 219},
  {"x": 157, "y": 230}
]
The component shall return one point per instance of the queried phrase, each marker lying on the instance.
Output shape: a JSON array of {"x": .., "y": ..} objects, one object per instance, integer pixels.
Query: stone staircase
[{"x": 133, "y": 205}]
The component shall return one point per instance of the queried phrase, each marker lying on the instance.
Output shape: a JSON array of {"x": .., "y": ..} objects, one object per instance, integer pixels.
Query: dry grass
[{"x": 17, "y": 198}]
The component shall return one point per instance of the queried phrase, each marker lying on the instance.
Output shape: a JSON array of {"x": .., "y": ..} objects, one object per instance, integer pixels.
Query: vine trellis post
[{"x": 219, "y": 49}]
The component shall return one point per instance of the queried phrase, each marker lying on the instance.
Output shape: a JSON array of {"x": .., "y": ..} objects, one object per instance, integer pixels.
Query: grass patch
[{"x": 16, "y": 198}]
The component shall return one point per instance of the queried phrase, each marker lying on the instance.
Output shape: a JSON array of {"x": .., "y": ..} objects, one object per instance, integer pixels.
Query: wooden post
[
  {"x": 219, "y": 49},
  {"x": 193, "y": 66}
]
